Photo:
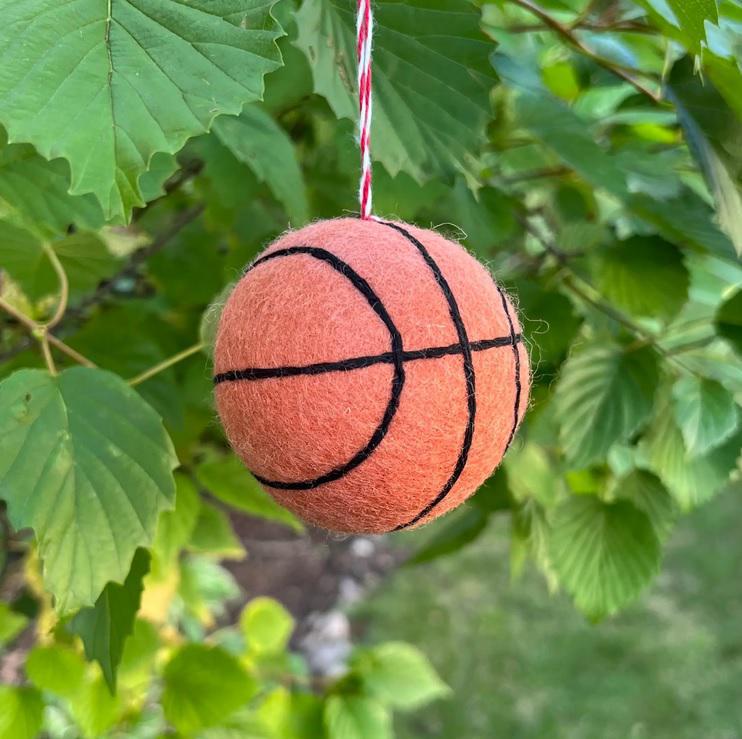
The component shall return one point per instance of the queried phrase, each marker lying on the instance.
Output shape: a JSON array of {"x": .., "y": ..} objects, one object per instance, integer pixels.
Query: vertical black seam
[{"x": 516, "y": 356}]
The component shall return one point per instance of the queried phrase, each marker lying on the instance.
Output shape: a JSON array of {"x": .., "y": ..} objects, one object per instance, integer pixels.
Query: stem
[
  {"x": 165, "y": 364},
  {"x": 64, "y": 287},
  {"x": 47, "y": 352},
  {"x": 568, "y": 35}
]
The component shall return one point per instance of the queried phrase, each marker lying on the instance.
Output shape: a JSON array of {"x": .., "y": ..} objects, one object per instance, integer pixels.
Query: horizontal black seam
[{"x": 353, "y": 363}]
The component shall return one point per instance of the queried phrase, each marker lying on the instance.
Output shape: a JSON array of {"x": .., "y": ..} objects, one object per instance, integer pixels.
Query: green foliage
[{"x": 596, "y": 170}]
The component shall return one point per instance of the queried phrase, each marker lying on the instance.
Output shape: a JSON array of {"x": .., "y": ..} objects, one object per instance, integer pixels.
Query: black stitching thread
[
  {"x": 516, "y": 356},
  {"x": 396, "y": 357}
]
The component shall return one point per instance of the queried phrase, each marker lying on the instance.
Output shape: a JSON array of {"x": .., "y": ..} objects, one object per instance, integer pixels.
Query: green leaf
[
  {"x": 559, "y": 129},
  {"x": 21, "y": 712},
  {"x": 712, "y": 132},
  {"x": 356, "y": 717},
  {"x": 11, "y": 623},
  {"x": 683, "y": 20},
  {"x": 432, "y": 78},
  {"x": 227, "y": 479},
  {"x": 644, "y": 276},
  {"x": 105, "y": 628},
  {"x": 603, "y": 396},
  {"x": 604, "y": 553},
  {"x": 706, "y": 413},
  {"x": 456, "y": 532},
  {"x": 73, "y": 81},
  {"x": 56, "y": 669},
  {"x": 728, "y": 320},
  {"x": 266, "y": 625},
  {"x": 213, "y": 534},
  {"x": 260, "y": 143},
  {"x": 175, "y": 528},
  {"x": 648, "y": 494},
  {"x": 86, "y": 464},
  {"x": 202, "y": 686},
  {"x": 690, "y": 480},
  {"x": 35, "y": 192},
  {"x": 398, "y": 675}
]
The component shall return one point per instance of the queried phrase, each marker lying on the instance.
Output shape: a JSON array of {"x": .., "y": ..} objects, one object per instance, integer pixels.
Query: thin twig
[
  {"x": 619, "y": 27},
  {"x": 167, "y": 363},
  {"x": 64, "y": 288},
  {"x": 567, "y": 34}
]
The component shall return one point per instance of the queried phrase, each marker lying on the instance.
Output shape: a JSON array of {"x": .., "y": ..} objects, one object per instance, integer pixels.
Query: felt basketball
[{"x": 371, "y": 375}]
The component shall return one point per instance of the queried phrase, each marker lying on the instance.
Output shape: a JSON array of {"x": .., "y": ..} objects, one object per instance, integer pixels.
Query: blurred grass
[{"x": 525, "y": 664}]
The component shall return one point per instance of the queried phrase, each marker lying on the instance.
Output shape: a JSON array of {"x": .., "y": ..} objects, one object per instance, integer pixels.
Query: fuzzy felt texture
[{"x": 314, "y": 391}]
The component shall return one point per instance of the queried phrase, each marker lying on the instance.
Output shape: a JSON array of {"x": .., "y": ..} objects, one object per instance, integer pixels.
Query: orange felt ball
[{"x": 371, "y": 375}]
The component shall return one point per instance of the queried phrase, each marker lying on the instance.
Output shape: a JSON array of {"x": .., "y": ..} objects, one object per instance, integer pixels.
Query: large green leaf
[
  {"x": 106, "y": 85},
  {"x": 604, "y": 394},
  {"x": 432, "y": 78},
  {"x": 398, "y": 675},
  {"x": 706, "y": 413},
  {"x": 644, "y": 276},
  {"x": 690, "y": 480},
  {"x": 604, "y": 553},
  {"x": 86, "y": 464},
  {"x": 356, "y": 717},
  {"x": 683, "y": 20},
  {"x": 227, "y": 479},
  {"x": 712, "y": 131},
  {"x": 648, "y": 494},
  {"x": 105, "y": 627},
  {"x": 203, "y": 686},
  {"x": 21, "y": 712},
  {"x": 260, "y": 143}
]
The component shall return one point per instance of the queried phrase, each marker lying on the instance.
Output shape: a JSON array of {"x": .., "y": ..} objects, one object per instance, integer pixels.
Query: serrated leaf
[
  {"x": 690, "y": 480},
  {"x": 604, "y": 553},
  {"x": 683, "y": 20},
  {"x": 456, "y": 532},
  {"x": 11, "y": 623},
  {"x": 648, "y": 494},
  {"x": 644, "y": 276},
  {"x": 398, "y": 675},
  {"x": 21, "y": 712},
  {"x": 356, "y": 717},
  {"x": 432, "y": 78},
  {"x": 86, "y": 464},
  {"x": 203, "y": 686},
  {"x": 258, "y": 141},
  {"x": 266, "y": 626},
  {"x": 227, "y": 479},
  {"x": 213, "y": 534},
  {"x": 706, "y": 413},
  {"x": 72, "y": 81},
  {"x": 105, "y": 627},
  {"x": 603, "y": 396}
]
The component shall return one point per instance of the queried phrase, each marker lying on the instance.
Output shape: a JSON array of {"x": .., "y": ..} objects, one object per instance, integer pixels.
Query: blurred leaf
[
  {"x": 227, "y": 479},
  {"x": 604, "y": 553},
  {"x": 644, "y": 276},
  {"x": 213, "y": 534},
  {"x": 456, "y": 532},
  {"x": 21, "y": 712},
  {"x": 603, "y": 396},
  {"x": 202, "y": 686},
  {"x": 428, "y": 125},
  {"x": 199, "y": 61},
  {"x": 683, "y": 20},
  {"x": 105, "y": 627},
  {"x": 356, "y": 717},
  {"x": 175, "y": 528},
  {"x": 11, "y": 623},
  {"x": 705, "y": 412},
  {"x": 84, "y": 446},
  {"x": 713, "y": 134},
  {"x": 266, "y": 625},
  {"x": 56, "y": 668},
  {"x": 260, "y": 143},
  {"x": 649, "y": 495},
  {"x": 690, "y": 480},
  {"x": 206, "y": 587},
  {"x": 728, "y": 320},
  {"x": 398, "y": 675}
]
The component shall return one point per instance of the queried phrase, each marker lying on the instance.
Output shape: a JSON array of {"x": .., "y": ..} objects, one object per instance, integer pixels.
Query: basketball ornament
[{"x": 370, "y": 374}]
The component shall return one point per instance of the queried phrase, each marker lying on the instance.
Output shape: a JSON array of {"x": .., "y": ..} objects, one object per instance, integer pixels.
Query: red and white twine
[{"x": 365, "y": 30}]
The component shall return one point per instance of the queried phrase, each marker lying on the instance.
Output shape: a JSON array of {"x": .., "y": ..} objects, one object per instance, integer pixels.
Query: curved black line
[
  {"x": 397, "y": 351},
  {"x": 516, "y": 356},
  {"x": 471, "y": 397},
  {"x": 353, "y": 363}
]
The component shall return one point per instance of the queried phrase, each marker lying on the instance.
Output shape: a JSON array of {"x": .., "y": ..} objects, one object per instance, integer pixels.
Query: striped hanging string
[{"x": 365, "y": 29}]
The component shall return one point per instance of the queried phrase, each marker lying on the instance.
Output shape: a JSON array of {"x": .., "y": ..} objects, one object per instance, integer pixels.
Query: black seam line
[
  {"x": 345, "y": 365},
  {"x": 466, "y": 351},
  {"x": 397, "y": 350},
  {"x": 516, "y": 356}
]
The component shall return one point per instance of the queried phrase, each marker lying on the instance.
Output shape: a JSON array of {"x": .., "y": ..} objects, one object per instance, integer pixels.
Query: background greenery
[{"x": 589, "y": 151}]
